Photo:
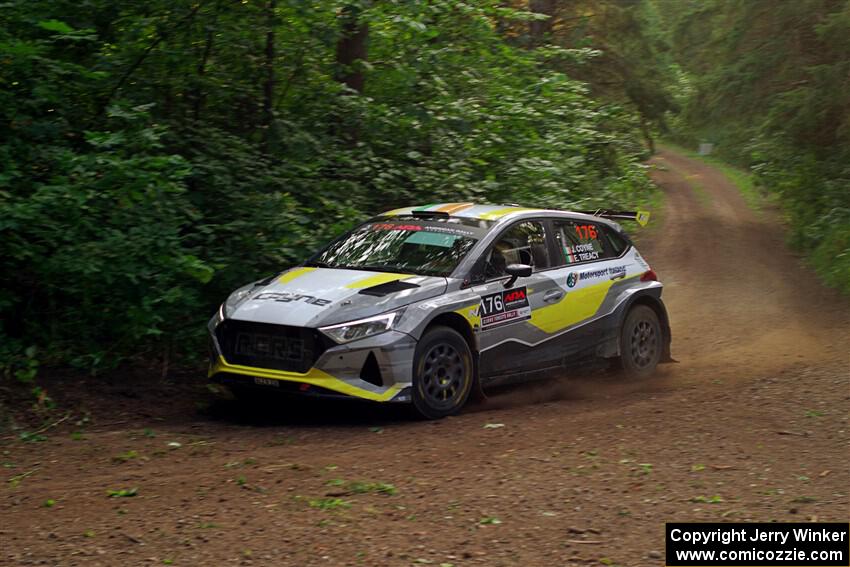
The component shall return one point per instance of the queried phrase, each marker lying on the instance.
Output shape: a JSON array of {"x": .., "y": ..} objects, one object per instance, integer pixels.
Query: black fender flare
[
  {"x": 459, "y": 323},
  {"x": 650, "y": 297}
]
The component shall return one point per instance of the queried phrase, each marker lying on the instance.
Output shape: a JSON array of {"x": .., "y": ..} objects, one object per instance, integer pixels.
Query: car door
[
  {"x": 591, "y": 266},
  {"x": 505, "y": 332}
]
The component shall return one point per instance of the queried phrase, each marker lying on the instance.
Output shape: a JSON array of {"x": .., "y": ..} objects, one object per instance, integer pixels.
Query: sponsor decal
[
  {"x": 285, "y": 297},
  {"x": 613, "y": 271},
  {"x": 394, "y": 226},
  {"x": 572, "y": 279},
  {"x": 591, "y": 274},
  {"x": 504, "y": 307},
  {"x": 447, "y": 229}
]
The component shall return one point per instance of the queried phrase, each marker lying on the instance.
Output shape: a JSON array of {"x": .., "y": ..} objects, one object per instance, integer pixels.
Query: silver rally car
[{"x": 426, "y": 305}]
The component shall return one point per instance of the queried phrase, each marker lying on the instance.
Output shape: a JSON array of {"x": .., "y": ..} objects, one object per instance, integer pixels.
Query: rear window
[{"x": 617, "y": 241}]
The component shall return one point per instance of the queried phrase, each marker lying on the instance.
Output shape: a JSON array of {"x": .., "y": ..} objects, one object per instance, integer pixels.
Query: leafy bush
[{"x": 771, "y": 95}]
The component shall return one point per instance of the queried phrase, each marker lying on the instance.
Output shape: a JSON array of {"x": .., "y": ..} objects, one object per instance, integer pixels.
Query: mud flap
[
  {"x": 666, "y": 357},
  {"x": 477, "y": 393}
]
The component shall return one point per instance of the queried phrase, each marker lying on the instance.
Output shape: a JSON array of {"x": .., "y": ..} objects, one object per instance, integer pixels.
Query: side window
[
  {"x": 524, "y": 243},
  {"x": 617, "y": 242},
  {"x": 582, "y": 241}
]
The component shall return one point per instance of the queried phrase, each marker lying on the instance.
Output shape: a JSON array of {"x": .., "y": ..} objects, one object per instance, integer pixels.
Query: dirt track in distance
[{"x": 751, "y": 425}]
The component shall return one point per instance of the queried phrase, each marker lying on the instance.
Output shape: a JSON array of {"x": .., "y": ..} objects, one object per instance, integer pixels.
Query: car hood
[{"x": 315, "y": 297}]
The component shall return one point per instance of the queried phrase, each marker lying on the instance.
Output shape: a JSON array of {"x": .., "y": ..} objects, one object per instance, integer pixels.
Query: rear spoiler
[{"x": 642, "y": 217}]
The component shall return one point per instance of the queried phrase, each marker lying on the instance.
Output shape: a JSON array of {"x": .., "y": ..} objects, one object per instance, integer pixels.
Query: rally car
[{"x": 425, "y": 305}]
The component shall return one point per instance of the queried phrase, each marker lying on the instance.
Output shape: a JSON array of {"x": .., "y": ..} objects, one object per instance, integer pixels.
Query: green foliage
[
  {"x": 154, "y": 156},
  {"x": 124, "y": 457},
  {"x": 634, "y": 64},
  {"x": 329, "y": 503},
  {"x": 767, "y": 83},
  {"x": 22, "y": 364},
  {"x": 96, "y": 250},
  {"x": 122, "y": 493},
  {"x": 360, "y": 487}
]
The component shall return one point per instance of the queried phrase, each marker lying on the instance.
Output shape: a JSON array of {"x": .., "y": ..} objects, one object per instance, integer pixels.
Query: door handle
[
  {"x": 553, "y": 295},
  {"x": 619, "y": 276}
]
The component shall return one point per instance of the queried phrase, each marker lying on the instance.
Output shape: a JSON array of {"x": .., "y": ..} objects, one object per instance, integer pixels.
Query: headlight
[
  {"x": 235, "y": 299},
  {"x": 362, "y": 328},
  {"x": 216, "y": 319}
]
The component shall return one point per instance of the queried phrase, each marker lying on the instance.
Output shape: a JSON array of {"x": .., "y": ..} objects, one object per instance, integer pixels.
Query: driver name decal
[
  {"x": 581, "y": 253},
  {"x": 504, "y": 307}
]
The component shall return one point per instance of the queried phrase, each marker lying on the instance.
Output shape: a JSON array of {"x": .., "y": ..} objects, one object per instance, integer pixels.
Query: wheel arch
[
  {"x": 653, "y": 302},
  {"x": 458, "y": 323}
]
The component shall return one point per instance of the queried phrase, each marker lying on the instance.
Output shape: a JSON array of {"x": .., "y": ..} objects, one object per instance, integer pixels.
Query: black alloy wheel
[
  {"x": 443, "y": 373},
  {"x": 640, "y": 342}
]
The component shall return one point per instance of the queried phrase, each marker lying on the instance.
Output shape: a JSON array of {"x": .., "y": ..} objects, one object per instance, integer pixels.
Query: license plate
[
  {"x": 266, "y": 382},
  {"x": 290, "y": 349}
]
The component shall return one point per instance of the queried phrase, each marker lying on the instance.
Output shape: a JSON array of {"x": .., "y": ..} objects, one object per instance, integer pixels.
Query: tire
[
  {"x": 442, "y": 373},
  {"x": 641, "y": 342}
]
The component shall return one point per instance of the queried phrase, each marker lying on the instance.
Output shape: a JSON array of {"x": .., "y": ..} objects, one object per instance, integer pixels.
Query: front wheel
[
  {"x": 640, "y": 342},
  {"x": 442, "y": 373}
]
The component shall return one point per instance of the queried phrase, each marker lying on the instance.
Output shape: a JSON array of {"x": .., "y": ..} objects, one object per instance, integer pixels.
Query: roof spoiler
[
  {"x": 642, "y": 217},
  {"x": 429, "y": 214}
]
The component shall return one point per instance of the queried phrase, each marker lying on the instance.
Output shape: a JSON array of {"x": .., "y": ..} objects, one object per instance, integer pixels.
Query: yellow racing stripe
[
  {"x": 470, "y": 313},
  {"x": 452, "y": 208},
  {"x": 314, "y": 377},
  {"x": 295, "y": 273},
  {"x": 574, "y": 307},
  {"x": 377, "y": 279},
  {"x": 499, "y": 213},
  {"x": 395, "y": 212}
]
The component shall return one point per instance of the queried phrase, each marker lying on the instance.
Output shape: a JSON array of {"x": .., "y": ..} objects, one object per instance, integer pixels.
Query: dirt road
[{"x": 752, "y": 424}]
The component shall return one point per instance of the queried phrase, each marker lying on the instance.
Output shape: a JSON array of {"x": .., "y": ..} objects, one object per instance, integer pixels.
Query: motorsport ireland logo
[{"x": 572, "y": 279}]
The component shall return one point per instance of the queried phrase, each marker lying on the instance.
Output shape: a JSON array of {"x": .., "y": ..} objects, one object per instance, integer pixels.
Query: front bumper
[{"x": 342, "y": 370}]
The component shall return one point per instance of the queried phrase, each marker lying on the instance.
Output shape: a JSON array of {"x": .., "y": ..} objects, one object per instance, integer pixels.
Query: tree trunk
[
  {"x": 647, "y": 135},
  {"x": 351, "y": 47},
  {"x": 268, "y": 85},
  {"x": 540, "y": 30},
  {"x": 198, "y": 95}
]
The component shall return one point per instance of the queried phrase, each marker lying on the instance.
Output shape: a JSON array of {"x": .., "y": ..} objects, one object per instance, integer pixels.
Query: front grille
[{"x": 262, "y": 345}]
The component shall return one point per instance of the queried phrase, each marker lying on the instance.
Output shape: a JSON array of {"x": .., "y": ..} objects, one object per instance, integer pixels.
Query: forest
[{"x": 156, "y": 155}]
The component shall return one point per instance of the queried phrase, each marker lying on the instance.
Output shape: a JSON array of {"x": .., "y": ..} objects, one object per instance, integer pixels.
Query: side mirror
[{"x": 517, "y": 271}]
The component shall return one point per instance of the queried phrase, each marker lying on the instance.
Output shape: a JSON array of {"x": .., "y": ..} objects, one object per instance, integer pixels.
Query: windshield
[{"x": 406, "y": 245}]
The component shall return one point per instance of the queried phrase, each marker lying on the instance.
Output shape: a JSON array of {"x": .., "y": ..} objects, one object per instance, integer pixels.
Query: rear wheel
[
  {"x": 640, "y": 342},
  {"x": 442, "y": 373}
]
